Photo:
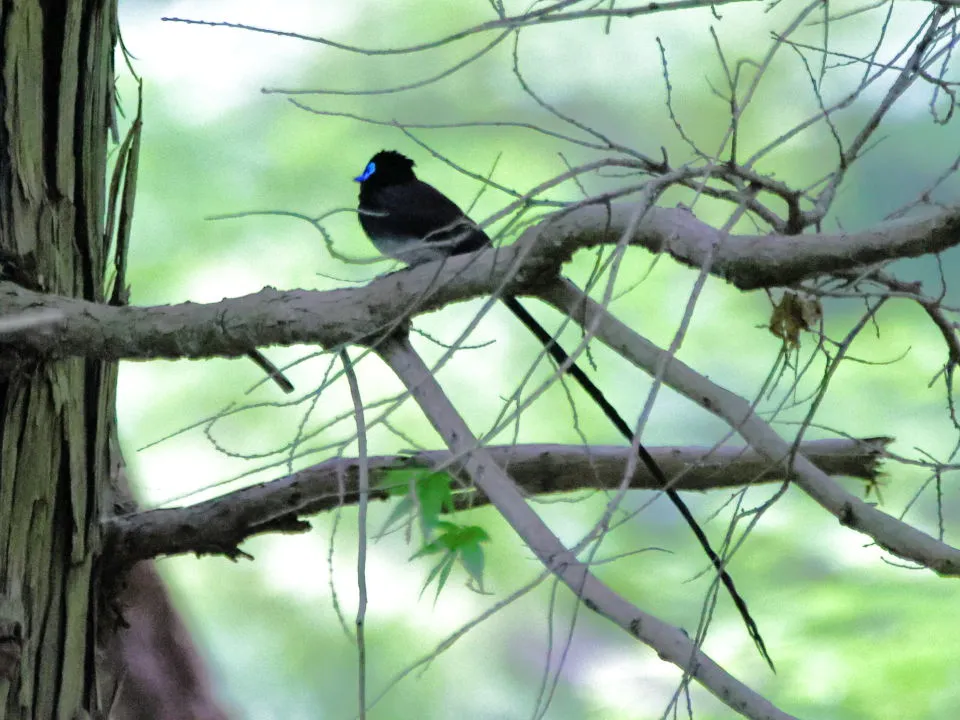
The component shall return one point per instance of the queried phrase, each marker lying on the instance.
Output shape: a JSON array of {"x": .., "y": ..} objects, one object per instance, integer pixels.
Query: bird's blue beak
[{"x": 367, "y": 172}]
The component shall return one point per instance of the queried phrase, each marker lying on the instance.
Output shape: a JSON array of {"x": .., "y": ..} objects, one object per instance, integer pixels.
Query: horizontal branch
[
  {"x": 220, "y": 525},
  {"x": 360, "y": 315},
  {"x": 751, "y": 262}
]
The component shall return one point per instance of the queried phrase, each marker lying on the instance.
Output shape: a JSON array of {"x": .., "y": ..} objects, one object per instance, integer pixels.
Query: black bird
[{"x": 407, "y": 219}]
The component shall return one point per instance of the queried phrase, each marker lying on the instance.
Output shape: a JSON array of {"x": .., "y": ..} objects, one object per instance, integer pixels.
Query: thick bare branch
[
  {"x": 335, "y": 317},
  {"x": 218, "y": 526},
  {"x": 751, "y": 262}
]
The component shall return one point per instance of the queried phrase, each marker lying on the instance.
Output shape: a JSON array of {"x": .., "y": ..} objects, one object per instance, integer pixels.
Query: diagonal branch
[
  {"x": 670, "y": 643},
  {"x": 893, "y": 535}
]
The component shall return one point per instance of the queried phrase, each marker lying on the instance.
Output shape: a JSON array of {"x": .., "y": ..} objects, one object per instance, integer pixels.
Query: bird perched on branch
[{"x": 407, "y": 219}]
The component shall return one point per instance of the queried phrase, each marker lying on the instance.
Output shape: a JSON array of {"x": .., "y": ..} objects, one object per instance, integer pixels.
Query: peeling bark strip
[
  {"x": 11, "y": 646},
  {"x": 56, "y": 81}
]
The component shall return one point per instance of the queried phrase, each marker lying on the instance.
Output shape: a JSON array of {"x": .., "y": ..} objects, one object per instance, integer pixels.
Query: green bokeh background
[{"x": 853, "y": 635}]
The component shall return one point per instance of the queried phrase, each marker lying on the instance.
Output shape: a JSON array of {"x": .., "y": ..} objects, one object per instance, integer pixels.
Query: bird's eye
[{"x": 368, "y": 171}]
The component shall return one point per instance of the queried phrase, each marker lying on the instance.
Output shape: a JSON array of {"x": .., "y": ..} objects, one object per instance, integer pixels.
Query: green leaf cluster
[{"x": 427, "y": 495}]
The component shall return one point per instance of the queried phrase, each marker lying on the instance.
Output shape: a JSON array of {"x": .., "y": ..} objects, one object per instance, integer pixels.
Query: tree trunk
[{"x": 56, "y": 97}]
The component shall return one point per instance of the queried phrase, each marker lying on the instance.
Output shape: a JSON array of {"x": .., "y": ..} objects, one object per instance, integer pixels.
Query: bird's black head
[{"x": 387, "y": 167}]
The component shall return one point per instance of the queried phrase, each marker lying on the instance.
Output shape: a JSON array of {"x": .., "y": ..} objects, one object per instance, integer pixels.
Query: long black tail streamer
[{"x": 560, "y": 356}]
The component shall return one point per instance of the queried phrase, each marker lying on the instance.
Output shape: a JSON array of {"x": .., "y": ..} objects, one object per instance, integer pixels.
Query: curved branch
[{"x": 751, "y": 262}]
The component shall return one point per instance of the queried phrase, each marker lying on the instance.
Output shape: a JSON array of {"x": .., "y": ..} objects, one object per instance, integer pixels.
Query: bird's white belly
[{"x": 412, "y": 252}]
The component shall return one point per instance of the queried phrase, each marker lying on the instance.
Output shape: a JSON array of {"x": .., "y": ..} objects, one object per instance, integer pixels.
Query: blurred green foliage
[{"x": 854, "y": 637}]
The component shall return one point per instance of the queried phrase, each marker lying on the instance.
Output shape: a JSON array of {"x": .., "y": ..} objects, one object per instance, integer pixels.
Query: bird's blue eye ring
[{"x": 367, "y": 172}]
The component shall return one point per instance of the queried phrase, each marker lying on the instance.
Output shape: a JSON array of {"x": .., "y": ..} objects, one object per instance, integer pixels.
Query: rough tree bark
[
  {"x": 56, "y": 90},
  {"x": 57, "y": 417}
]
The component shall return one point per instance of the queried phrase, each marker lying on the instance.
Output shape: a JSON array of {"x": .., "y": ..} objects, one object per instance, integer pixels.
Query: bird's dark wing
[{"x": 420, "y": 211}]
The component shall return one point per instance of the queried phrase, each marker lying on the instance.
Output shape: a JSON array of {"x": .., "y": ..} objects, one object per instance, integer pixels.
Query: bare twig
[{"x": 363, "y": 477}]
